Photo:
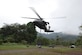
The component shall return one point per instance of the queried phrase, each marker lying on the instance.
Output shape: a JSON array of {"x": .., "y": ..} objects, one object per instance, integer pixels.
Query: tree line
[
  {"x": 27, "y": 34},
  {"x": 17, "y": 33}
]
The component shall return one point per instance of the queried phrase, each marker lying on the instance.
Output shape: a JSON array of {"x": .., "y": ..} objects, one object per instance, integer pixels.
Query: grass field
[{"x": 33, "y": 50}]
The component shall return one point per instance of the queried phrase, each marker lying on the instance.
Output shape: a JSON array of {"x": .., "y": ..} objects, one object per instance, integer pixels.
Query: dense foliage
[
  {"x": 79, "y": 40},
  {"x": 42, "y": 41},
  {"x": 26, "y": 34},
  {"x": 18, "y": 33}
]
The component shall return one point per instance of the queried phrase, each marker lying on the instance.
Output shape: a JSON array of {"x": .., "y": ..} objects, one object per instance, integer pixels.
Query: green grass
[
  {"x": 18, "y": 49},
  {"x": 12, "y": 46}
]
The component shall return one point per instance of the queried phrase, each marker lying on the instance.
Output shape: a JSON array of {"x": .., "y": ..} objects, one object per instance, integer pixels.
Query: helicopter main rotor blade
[
  {"x": 61, "y": 17},
  {"x": 36, "y": 13},
  {"x": 29, "y": 18}
]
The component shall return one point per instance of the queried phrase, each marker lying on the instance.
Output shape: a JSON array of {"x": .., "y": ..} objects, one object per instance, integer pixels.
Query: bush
[
  {"x": 24, "y": 42},
  {"x": 42, "y": 41},
  {"x": 1, "y": 41}
]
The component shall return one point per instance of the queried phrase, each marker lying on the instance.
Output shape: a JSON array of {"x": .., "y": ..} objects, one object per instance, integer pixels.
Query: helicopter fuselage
[{"x": 41, "y": 24}]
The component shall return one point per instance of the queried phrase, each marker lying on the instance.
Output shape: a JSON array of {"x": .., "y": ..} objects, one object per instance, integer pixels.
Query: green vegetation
[
  {"x": 79, "y": 40},
  {"x": 42, "y": 40},
  {"x": 26, "y": 34},
  {"x": 12, "y": 46},
  {"x": 16, "y": 33}
]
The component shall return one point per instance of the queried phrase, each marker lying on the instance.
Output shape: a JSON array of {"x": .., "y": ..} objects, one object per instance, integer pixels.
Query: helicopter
[{"x": 39, "y": 22}]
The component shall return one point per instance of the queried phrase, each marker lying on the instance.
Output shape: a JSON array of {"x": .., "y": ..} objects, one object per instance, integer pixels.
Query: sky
[{"x": 11, "y": 11}]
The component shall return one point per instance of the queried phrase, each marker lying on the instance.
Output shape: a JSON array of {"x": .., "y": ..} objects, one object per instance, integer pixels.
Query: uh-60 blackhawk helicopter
[{"x": 39, "y": 22}]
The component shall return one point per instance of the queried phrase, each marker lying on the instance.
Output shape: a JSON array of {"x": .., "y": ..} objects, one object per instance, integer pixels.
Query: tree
[
  {"x": 58, "y": 40},
  {"x": 31, "y": 32},
  {"x": 79, "y": 40},
  {"x": 17, "y": 33},
  {"x": 42, "y": 40}
]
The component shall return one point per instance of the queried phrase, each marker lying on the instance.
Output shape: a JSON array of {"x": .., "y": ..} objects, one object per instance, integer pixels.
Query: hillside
[{"x": 62, "y": 35}]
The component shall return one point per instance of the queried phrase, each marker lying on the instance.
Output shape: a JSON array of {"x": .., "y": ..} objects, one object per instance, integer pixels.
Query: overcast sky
[{"x": 11, "y": 11}]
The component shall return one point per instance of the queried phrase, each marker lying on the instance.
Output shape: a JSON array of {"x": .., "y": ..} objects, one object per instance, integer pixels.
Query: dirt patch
[
  {"x": 31, "y": 51},
  {"x": 74, "y": 53},
  {"x": 36, "y": 51}
]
